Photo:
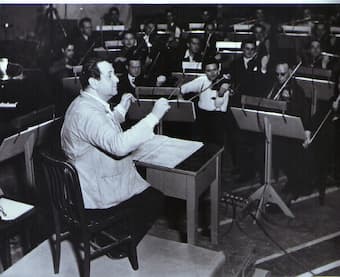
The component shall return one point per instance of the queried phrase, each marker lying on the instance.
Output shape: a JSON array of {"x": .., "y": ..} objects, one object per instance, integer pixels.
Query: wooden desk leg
[
  {"x": 214, "y": 202},
  {"x": 192, "y": 210}
]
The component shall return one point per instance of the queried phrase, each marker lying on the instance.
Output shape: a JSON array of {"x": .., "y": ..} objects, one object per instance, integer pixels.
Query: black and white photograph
[{"x": 177, "y": 139}]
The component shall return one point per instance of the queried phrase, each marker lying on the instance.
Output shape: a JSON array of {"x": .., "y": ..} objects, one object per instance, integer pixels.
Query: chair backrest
[{"x": 64, "y": 189}]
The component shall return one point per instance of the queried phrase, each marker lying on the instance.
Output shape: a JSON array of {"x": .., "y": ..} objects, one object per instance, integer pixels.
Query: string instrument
[{"x": 284, "y": 85}]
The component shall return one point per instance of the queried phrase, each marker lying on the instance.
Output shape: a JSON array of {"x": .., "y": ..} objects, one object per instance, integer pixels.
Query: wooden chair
[{"x": 68, "y": 208}]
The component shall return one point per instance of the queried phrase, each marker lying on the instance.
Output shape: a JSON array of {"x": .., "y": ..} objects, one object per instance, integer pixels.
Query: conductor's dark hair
[
  {"x": 90, "y": 70},
  {"x": 246, "y": 41},
  {"x": 83, "y": 20},
  {"x": 114, "y": 9}
]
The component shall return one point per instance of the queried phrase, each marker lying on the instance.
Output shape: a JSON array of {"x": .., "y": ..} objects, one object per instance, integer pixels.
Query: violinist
[
  {"x": 213, "y": 91},
  {"x": 289, "y": 154},
  {"x": 84, "y": 41},
  {"x": 131, "y": 48},
  {"x": 262, "y": 40},
  {"x": 211, "y": 36}
]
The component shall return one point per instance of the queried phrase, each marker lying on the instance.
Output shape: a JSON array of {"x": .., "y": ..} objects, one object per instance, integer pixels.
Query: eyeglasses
[{"x": 280, "y": 74}]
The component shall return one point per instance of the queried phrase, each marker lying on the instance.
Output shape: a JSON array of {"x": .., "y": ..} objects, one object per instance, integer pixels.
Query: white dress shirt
[
  {"x": 132, "y": 80},
  {"x": 207, "y": 98},
  {"x": 188, "y": 55},
  {"x": 95, "y": 144}
]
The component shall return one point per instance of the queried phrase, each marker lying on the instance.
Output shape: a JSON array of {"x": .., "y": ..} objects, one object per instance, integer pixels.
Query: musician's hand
[
  {"x": 264, "y": 63},
  {"x": 126, "y": 100},
  {"x": 307, "y": 141},
  {"x": 218, "y": 57},
  {"x": 335, "y": 105},
  {"x": 148, "y": 61},
  {"x": 161, "y": 79},
  {"x": 160, "y": 108},
  {"x": 324, "y": 62},
  {"x": 69, "y": 66}
]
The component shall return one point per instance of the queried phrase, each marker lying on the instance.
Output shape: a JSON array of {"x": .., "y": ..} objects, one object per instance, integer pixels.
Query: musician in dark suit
[
  {"x": 190, "y": 51},
  {"x": 131, "y": 48},
  {"x": 84, "y": 40},
  {"x": 314, "y": 58},
  {"x": 112, "y": 17},
  {"x": 290, "y": 154},
  {"x": 249, "y": 77}
]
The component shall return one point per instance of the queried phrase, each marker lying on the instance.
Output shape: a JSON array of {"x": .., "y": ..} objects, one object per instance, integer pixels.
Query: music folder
[{"x": 180, "y": 110}]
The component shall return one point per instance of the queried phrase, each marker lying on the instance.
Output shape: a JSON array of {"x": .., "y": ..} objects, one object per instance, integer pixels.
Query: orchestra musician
[
  {"x": 213, "y": 102},
  {"x": 314, "y": 58},
  {"x": 84, "y": 40},
  {"x": 63, "y": 67},
  {"x": 95, "y": 144},
  {"x": 112, "y": 17},
  {"x": 286, "y": 148},
  {"x": 249, "y": 77},
  {"x": 131, "y": 48}
]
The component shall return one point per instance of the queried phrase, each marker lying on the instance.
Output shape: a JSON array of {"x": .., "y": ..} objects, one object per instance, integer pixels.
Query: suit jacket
[
  {"x": 81, "y": 46},
  {"x": 250, "y": 81},
  {"x": 95, "y": 144}
]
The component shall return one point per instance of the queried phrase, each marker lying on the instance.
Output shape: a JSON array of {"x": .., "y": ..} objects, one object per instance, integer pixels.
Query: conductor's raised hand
[
  {"x": 160, "y": 108},
  {"x": 126, "y": 100}
]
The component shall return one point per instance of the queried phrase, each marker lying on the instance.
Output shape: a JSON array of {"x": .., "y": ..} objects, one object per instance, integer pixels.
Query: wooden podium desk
[{"x": 188, "y": 180}]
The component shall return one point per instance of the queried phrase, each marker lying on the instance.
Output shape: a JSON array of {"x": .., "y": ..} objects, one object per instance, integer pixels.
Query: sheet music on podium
[{"x": 166, "y": 151}]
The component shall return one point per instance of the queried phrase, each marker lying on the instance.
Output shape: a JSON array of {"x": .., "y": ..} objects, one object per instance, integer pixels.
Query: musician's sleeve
[{"x": 192, "y": 86}]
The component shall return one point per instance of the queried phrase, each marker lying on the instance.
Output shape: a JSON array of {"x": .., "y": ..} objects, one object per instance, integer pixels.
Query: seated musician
[
  {"x": 112, "y": 17},
  {"x": 94, "y": 142},
  {"x": 211, "y": 36},
  {"x": 190, "y": 52},
  {"x": 213, "y": 101},
  {"x": 63, "y": 67},
  {"x": 314, "y": 58},
  {"x": 262, "y": 41},
  {"x": 151, "y": 41},
  {"x": 260, "y": 19},
  {"x": 131, "y": 48},
  {"x": 173, "y": 27},
  {"x": 321, "y": 32},
  {"x": 132, "y": 77},
  {"x": 289, "y": 154},
  {"x": 84, "y": 40}
]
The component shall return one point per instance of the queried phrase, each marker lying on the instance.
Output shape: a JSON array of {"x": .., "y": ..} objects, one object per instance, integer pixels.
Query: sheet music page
[
  {"x": 13, "y": 209},
  {"x": 166, "y": 151}
]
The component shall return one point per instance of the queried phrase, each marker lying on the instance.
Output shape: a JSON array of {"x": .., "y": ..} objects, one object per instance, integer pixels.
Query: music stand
[
  {"x": 269, "y": 123},
  {"x": 316, "y": 89},
  {"x": 24, "y": 142},
  {"x": 180, "y": 111},
  {"x": 157, "y": 91}
]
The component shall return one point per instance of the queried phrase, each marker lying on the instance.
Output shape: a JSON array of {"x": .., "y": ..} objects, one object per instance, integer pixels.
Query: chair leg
[
  {"x": 56, "y": 245},
  {"x": 133, "y": 255},
  {"x": 5, "y": 252},
  {"x": 86, "y": 261}
]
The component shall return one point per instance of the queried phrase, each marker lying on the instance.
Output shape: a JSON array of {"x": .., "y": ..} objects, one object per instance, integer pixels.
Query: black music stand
[
  {"x": 316, "y": 89},
  {"x": 180, "y": 111},
  {"x": 269, "y": 123},
  {"x": 157, "y": 91}
]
